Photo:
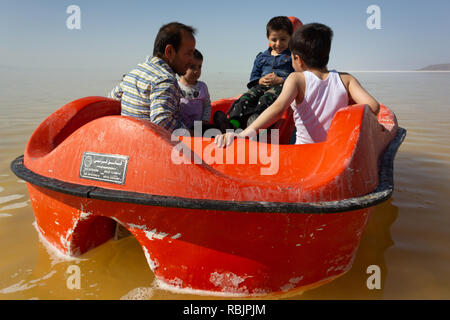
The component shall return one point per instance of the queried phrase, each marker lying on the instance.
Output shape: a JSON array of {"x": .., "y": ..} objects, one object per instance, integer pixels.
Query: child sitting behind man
[
  {"x": 196, "y": 103},
  {"x": 317, "y": 92},
  {"x": 270, "y": 70}
]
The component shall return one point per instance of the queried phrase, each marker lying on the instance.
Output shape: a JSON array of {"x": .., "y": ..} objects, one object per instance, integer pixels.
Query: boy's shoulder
[
  {"x": 296, "y": 78},
  {"x": 345, "y": 77},
  {"x": 296, "y": 75},
  {"x": 263, "y": 53},
  {"x": 343, "y": 73}
]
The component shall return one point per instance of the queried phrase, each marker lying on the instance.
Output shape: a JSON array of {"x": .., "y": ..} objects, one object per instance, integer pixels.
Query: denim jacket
[{"x": 266, "y": 63}]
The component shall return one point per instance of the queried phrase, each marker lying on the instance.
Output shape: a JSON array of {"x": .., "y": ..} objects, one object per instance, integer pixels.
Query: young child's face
[
  {"x": 279, "y": 40},
  {"x": 195, "y": 70}
]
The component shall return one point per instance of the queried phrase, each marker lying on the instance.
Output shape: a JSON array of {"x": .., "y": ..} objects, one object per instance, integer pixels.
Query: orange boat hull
[
  {"x": 212, "y": 227},
  {"x": 214, "y": 251}
]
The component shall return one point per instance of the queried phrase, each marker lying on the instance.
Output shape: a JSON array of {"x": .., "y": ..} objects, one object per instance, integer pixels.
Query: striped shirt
[{"x": 151, "y": 92}]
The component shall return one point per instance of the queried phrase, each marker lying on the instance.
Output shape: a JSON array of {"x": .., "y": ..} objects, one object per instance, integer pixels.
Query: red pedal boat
[{"x": 211, "y": 226}]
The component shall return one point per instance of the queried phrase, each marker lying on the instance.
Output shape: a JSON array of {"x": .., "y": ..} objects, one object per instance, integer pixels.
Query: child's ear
[{"x": 300, "y": 60}]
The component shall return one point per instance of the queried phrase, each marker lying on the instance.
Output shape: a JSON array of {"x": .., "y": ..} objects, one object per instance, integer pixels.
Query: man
[{"x": 151, "y": 90}]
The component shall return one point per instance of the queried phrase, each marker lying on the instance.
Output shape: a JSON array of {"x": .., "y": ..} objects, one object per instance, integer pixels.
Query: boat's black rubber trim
[{"x": 380, "y": 194}]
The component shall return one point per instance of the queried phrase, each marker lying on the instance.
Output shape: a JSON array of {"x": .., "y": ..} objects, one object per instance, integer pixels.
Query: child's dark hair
[
  {"x": 312, "y": 43},
  {"x": 198, "y": 55},
  {"x": 279, "y": 23}
]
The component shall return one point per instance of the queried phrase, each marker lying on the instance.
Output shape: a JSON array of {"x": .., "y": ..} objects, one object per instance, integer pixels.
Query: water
[{"x": 407, "y": 236}]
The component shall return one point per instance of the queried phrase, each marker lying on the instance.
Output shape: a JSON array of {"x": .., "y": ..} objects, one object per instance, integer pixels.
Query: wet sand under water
[{"x": 407, "y": 236}]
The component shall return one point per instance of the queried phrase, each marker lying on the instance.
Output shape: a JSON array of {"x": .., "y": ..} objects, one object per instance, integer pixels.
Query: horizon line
[{"x": 213, "y": 71}]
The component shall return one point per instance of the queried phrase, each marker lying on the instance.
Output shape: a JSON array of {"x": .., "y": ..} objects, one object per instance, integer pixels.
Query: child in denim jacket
[
  {"x": 314, "y": 93},
  {"x": 270, "y": 69}
]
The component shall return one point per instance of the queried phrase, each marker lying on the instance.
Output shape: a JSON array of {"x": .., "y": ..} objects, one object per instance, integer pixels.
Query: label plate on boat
[{"x": 104, "y": 167}]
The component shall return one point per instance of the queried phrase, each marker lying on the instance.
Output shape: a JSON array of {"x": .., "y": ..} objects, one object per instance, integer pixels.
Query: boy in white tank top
[{"x": 314, "y": 93}]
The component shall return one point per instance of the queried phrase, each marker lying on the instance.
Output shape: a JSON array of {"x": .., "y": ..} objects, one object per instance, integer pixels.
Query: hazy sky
[{"x": 116, "y": 35}]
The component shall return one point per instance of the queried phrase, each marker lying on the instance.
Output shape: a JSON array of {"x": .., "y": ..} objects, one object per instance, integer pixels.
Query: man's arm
[
  {"x": 165, "y": 106},
  {"x": 117, "y": 92}
]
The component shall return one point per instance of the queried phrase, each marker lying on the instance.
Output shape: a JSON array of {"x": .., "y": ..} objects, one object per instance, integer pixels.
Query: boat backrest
[{"x": 66, "y": 120}]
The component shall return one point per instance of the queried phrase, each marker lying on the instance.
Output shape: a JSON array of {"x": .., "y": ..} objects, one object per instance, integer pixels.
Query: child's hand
[
  {"x": 265, "y": 81},
  {"x": 270, "y": 79},
  {"x": 276, "y": 80},
  {"x": 226, "y": 139}
]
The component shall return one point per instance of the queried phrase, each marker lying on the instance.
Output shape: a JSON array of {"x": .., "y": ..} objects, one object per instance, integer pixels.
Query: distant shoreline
[
  {"x": 84, "y": 70},
  {"x": 437, "y": 67}
]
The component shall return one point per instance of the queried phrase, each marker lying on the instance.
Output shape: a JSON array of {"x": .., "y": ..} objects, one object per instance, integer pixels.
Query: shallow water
[{"x": 407, "y": 236}]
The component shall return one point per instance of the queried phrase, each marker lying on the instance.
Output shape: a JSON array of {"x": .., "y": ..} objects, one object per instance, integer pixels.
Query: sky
[{"x": 117, "y": 35}]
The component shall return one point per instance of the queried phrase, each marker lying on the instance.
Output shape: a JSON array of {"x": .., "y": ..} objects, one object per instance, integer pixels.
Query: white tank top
[{"x": 323, "y": 98}]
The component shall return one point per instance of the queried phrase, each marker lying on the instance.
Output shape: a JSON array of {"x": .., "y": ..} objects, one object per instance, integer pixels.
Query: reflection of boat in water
[{"x": 210, "y": 226}]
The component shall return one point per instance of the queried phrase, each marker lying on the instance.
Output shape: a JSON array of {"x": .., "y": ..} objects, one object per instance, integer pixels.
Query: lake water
[{"x": 407, "y": 237}]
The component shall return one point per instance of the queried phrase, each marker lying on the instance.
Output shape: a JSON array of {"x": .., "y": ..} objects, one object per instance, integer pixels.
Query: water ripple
[{"x": 11, "y": 198}]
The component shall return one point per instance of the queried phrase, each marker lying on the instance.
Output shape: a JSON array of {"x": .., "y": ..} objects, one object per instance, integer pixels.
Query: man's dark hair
[
  {"x": 171, "y": 33},
  {"x": 312, "y": 42},
  {"x": 279, "y": 23},
  {"x": 198, "y": 55}
]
